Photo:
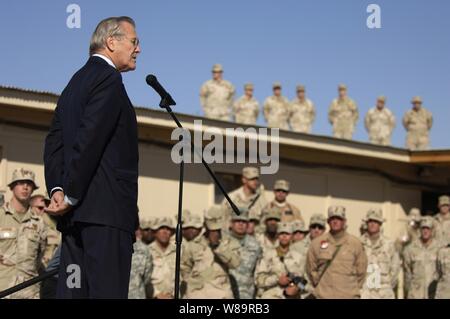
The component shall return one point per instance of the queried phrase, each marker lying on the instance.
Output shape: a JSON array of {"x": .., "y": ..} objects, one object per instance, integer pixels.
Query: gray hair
[{"x": 109, "y": 27}]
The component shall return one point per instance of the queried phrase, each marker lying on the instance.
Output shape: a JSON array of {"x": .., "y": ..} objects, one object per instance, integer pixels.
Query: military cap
[
  {"x": 281, "y": 184},
  {"x": 426, "y": 221},
  {"x": 214, "y": 217},
  {"x": 145, "y": 224},
  {"x": 243, "y": 216},
  {"x": 276, "y": 85},
  {"x": 336, "y": 211},
  {"x": 271, "y": 213},
  {"x": 22, "y": 174},
  {"x": 248, "y": 86},
  {"x": 43, "y": 195},
  {"x": 381, "y": 98},
  {"x": 284, "y": 228},
  {"x": 253, "y": 215},
  {"x": 217, "y": 68},
  {"x": 342, "y": 87},
  {"x": 444, "y": 200},
  {"x": 300, "y": 226},
  {"x": 300, "y": 88},
  {"x": 416, "y": 99},
  {"x": 250, "y": 172},
  {"x": 376, "y": 215},
  {"x": 163, "y": 222},
  {"x": 193, "y": 220},
  {"x": 317, "y": 219},
  {"x": 414, "y": 214}
]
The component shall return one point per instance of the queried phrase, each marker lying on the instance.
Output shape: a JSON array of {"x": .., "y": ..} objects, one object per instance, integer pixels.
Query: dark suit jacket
[{"x": 91, "y": 150}]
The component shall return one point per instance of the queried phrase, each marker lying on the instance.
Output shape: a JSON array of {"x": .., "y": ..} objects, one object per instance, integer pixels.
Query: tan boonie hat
[
  {"x": 193, "y": 220},
  {"x": 22, "y": 174},
  {"x": 317, "y": 219},
  {"x": 163, "y": 222},
  {"x": 336, "y": 211},
  {"x": 243, "y": 216},
  {"x": 300, "y": 88},
  {"x": 250, "y": 172},
  {"x": 284, "y": 228},
  {"x": 281, "y": 184},
  {"x": 444, "y": 200},
  {"x": 276, "y": 85},
  {"x": 426, "y": 221},
  {"x": 298, "y": 225},
  {"x": 416, "y": 99},
  {"x": 248, "y": 86},
  {"x": 381, "y": 98},
  {"x": 214, "y": 217},
  {"x": 270, "y": 213},
  {"x": 342, "y": 87},
  {"x": 217, "y": 68},
  {"x": 376, "y": 215},
  {"x": 415, "y": 215}
]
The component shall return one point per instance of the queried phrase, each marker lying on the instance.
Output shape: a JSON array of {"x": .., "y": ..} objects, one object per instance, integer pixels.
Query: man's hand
[
  {"x": 284, "y": 280},
  {"x": 164, "y": 295},
  {"x": 291, "y": 290},
  {"x": 58, "y": 206}
]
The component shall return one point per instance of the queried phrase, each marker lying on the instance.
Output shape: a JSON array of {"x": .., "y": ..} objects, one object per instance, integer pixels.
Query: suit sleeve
[
  {"x": 96, "y": 127},
  {"x": 54, "y": 154}
]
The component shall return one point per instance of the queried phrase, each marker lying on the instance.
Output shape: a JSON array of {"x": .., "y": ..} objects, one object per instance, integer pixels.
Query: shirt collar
[{"x": 108, "y": 60}]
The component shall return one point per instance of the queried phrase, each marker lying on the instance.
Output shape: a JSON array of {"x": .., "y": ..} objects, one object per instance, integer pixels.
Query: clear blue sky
[{"x": 319, "y": 43}]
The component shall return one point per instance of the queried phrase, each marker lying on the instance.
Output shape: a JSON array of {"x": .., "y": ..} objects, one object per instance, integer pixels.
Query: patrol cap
[
  {"x": 217, "y": 68},
  {"x": 376, "y": 215},
  {"x": 318, "y": 219},
  {"x": 284, "y": 228},
  {"x": 300, "y": 226},
  {"x": 243, "y": 216},
  {"x": 342, "y": 87},
  {"x": 250, "y": 172},
  {"x": 414, "y": 214},
  {"x": 253, "y": 215},
  {"x": 336, "y": 211},
  {"x": 300, "y": 88},
  {"x": 145, "y": 224},
  {"x": 444, "y": 200},
  {"x": 381, "y": 98},
  {"x": 281, "y": 184},
  {"x": 416, "y": 99},
  {"x": 248, "y": 86},
  {"x": 426, "y": 221},
  {"x": 163, "y": 222},
  {"x": 270, "y": 213},
  {"x": 214, "y": 217},
  {"x": 22, "y": 174},
  {"x": 193, "y": 220},
  {"x": 43, "y": 196},
  {"x": 276, "y": 85}
]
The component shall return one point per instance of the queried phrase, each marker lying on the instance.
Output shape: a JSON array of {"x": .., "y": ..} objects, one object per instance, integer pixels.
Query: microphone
[{"x": 166, "y": 99}]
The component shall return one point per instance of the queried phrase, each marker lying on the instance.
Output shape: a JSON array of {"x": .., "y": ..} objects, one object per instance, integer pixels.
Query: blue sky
[{"x": 319, "y": 43}]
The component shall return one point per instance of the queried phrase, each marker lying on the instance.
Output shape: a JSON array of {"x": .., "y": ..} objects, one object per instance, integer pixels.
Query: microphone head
[{"x": 151, "y": 79}]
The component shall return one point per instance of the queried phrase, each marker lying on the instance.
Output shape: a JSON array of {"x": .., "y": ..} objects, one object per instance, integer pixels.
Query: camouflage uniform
[
  {"x": 216, "y": 97},
  {"x": 262, "y": 238},
  {"x": 205, "y": 269},
  {"x": 443, "y": 272},
  {"x": 410, "y": 233},
  {"x": 288, "y": 211},
  {"x": 141, "y": 271},
  {"x": 418, "y": 124},
  {"x": 246, "y": 109},
  {"x": 343, "y": 115},
  {"x": 276, "y": 111},
  {"x": 53, "y": 239},
  {"x": 442, "y": 222},
  {"x": 303, "y": 114},
  {"x": 380, "y": 123},
  {"x": 384, "y": 264},
  {"x": 420, "y": 264}
]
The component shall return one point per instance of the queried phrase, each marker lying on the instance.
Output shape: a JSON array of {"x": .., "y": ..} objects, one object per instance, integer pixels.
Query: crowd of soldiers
[
  {"x": 265, "y": 251},
  {"x": 217, "y": 101}
]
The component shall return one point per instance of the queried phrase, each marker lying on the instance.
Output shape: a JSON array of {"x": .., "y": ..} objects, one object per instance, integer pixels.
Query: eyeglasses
[
  {"x": 317, "y": 226},
  {"x": 134, "y": 41}
]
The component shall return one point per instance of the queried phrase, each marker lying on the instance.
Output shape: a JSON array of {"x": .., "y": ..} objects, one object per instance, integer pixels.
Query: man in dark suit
[{"x": 91, "y": 168}]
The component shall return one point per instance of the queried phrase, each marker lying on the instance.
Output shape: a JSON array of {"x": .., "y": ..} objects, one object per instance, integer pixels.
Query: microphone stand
[{"x": 165, "y": 103}]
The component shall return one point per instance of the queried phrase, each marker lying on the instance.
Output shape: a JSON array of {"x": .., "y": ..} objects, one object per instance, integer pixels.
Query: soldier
[
  {"x": 303, "y": 112},
  {"x": 363, "y": 227},
  {"x": 418, "y": 123},
  {"x": 277, "y": 274},
  {"x": 288, "y": 211},
  {"x": 442, "y": 219},
  {"x": 23, "y": 237},
  {"x": 420, "y": 262},
  {"x": 147, "y": 232},
  {"x": 216, "y": 95},
  {"x": 299, "y": 231},
  {"x": 317, "y": 226},
  {"x": 443, "y": 272},
  {"x": 253, "y": 223},
  {"x": 412, "y": 230},
  {"x": 250, "y": 252},
  {"x": 192, "y": 226},
  {"x": 163, "y": 257},
  {"x": 343, "y": 114},
  {"x": 276, "y": 109},
  {"x": 246, "y": 108},
  {"x": 336, "y": 262},
  {"x": 206, "y": 260},
  {"x": 380, "y": 122},
  {"x": 384, "y": 261},
  {"x": 141, "y": 270},
  {"x": 250, "y": 195},
  {"x": 268, "y": 239}
]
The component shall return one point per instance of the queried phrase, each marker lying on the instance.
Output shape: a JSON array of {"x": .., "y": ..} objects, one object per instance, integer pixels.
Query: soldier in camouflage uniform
[
  {"x": 303, "y": 112},
  {"x": 299, "y": 231},
  {"x": 411, "y": 232},
  {"x": 442, "y": 220},
  {"x": 384, "y": 261},
  {"x": 317, "y": 226},
  {"x": 363, "y": 227},
  {"x": 380, "y": 122},
  {"x": 420, "y": 262},
  {"x": 163, "y": 257},
  {"x": 269, "y": 239},
  {"x": 343, "y": 114},
  {"x": 250, "y": 195},
  {"x": 277, "y": 268},
  {"x": 250, "y": 253},
  {"x": 276, "y": 109},
  {"x": 147, "y": 231},
  {"x": 23, "y": 237},
  {"x": 288, "y": 212},
  {"x": 443, "y": 272},
  {"x": 141, "y": 270},
  {"x": 192, "y": 226},
  {"x": 216, "y": 95},
  {"x": 207, "y": 259},
  {"x": 417, "y": 123},
  {"x": 246, "y": 108}
]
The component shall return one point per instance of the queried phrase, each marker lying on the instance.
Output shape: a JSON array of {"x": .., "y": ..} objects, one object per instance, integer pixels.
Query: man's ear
[{"x": 110, "y": 44}]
